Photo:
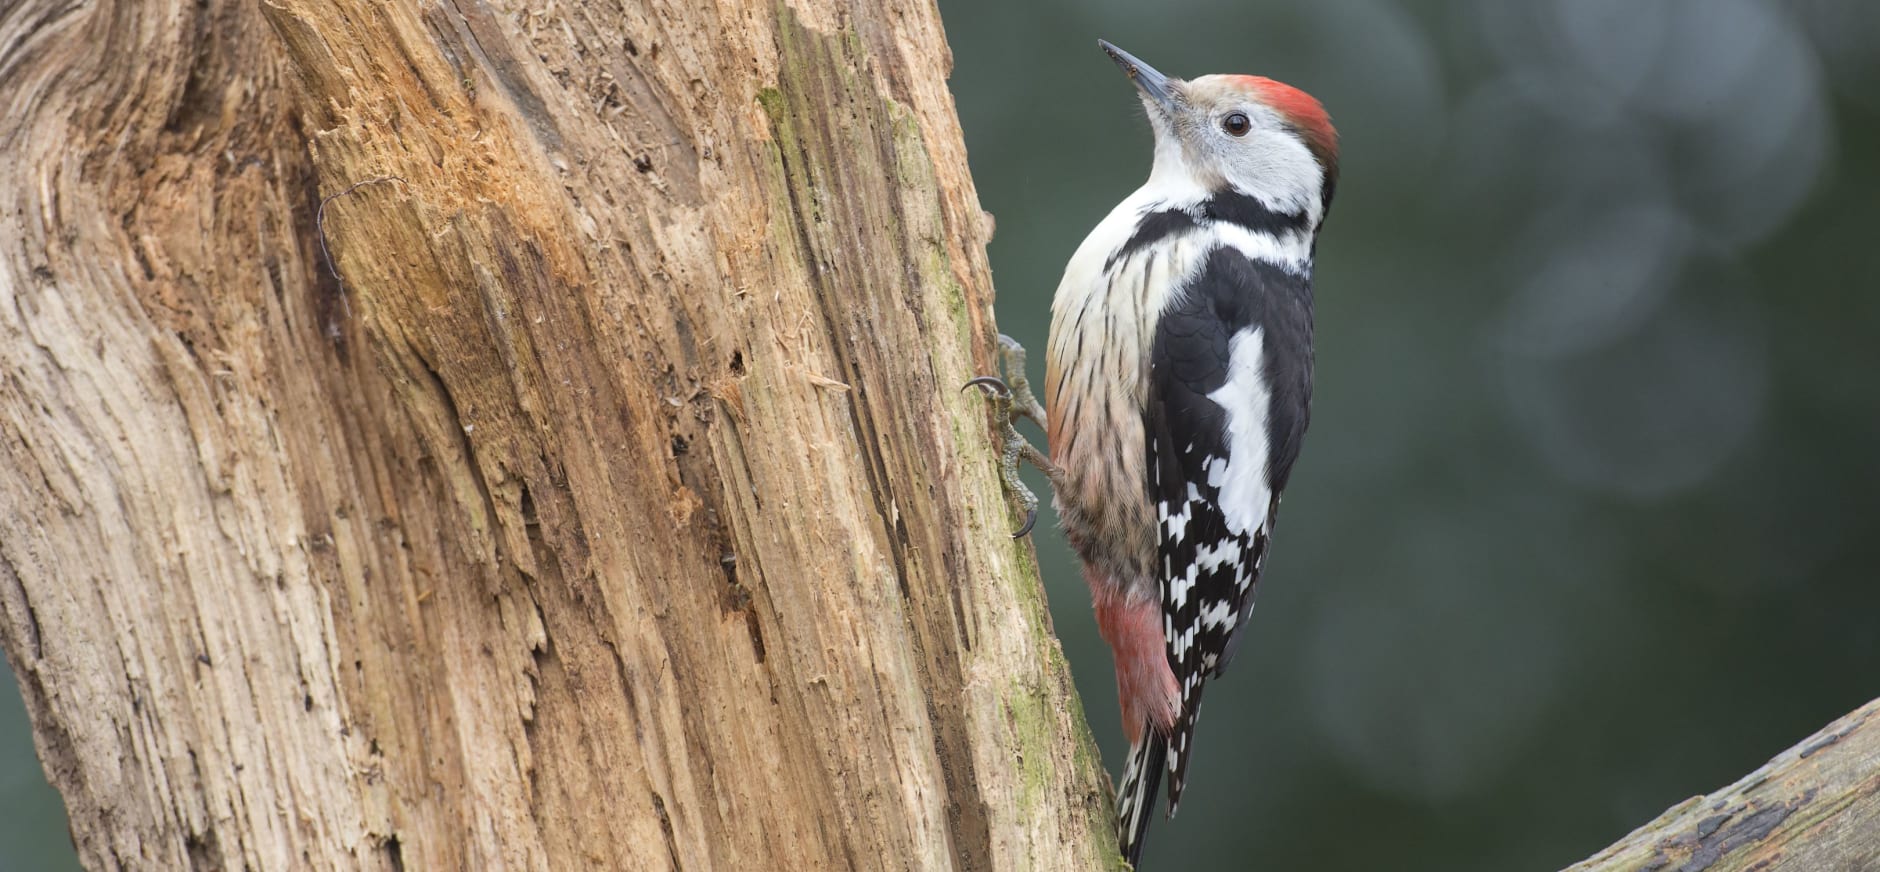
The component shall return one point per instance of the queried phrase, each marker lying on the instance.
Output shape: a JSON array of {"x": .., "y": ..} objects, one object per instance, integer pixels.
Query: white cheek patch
[{"x": 1270, "y": 163}]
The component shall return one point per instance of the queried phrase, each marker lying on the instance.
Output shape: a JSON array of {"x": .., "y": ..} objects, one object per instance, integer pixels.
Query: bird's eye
[{"x": 1236, "y": 124}]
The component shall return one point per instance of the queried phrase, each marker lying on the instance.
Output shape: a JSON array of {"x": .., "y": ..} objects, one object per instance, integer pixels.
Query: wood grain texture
[
  {"x": 1814, "y": 808},
  {"x": 619, "y": 509}
]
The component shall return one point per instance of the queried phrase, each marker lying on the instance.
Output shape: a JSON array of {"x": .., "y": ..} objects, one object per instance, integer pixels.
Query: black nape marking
[
  {"x": 1235, "y": 207},
  {"x": 1153, "y": 228}
]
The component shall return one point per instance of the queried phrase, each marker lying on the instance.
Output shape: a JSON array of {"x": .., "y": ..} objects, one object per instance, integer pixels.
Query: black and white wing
[{"x": 1230, "y": 381}]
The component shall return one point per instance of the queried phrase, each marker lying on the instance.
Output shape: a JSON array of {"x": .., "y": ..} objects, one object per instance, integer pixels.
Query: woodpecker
[{"x": 1179, "y": 385}]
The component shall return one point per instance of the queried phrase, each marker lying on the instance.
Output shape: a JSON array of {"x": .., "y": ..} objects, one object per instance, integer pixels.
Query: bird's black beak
[{"x": 1152, "y": 84}]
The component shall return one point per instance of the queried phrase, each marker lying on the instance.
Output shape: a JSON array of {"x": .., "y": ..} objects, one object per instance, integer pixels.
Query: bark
[
  {"x": 619, "y": 509},
  {"x": 1814, "y": 808}
]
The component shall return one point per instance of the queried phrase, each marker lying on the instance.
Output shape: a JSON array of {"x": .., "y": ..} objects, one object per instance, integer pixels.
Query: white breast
[{"x": 1102, "y": 327}]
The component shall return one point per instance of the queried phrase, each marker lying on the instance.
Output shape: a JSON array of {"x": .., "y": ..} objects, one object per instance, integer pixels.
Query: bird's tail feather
[{"x": 1135, "y": 794}]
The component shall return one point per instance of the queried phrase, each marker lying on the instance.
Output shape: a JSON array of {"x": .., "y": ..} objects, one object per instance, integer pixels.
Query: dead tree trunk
[{"x": 619, "y": 509}]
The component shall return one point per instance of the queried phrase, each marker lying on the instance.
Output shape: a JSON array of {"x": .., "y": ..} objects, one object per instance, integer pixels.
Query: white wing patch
[{"x": 1245, "y": 396}]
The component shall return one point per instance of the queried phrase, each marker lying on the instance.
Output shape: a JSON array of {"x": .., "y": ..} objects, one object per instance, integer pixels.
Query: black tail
[{"x": 1135, "y": 794}]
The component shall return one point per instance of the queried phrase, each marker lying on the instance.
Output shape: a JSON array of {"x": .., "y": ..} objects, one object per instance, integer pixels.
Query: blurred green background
[{"x": 1586, "y": 522}]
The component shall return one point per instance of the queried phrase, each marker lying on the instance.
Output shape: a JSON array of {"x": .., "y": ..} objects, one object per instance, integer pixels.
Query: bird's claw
[
  {"x": 1012, "y": 360},
  {"x": 1009, "y": 402},
  {"x": 993, "y": 384},
  {"x": 1031, "y": 520}
]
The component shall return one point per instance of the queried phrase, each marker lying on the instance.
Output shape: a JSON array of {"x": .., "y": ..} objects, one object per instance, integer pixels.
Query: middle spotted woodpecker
[{"x": 1179, "y": 385}]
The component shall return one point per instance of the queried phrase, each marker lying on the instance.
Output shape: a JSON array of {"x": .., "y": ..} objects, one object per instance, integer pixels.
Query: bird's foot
[
  {"x": 1012, "y": 360},
  {"x": 1010, "y": 401}
]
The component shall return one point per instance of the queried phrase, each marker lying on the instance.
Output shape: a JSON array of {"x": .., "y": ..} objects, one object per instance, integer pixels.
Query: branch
[{"x": 1814, "y": 807}]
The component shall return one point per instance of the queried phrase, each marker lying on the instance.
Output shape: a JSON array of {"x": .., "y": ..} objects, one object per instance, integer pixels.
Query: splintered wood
[{"x": 616, "y": 508}]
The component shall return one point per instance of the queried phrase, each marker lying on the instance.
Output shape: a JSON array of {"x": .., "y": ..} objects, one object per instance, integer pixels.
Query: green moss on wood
[{"x": 850, "y": 166}]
